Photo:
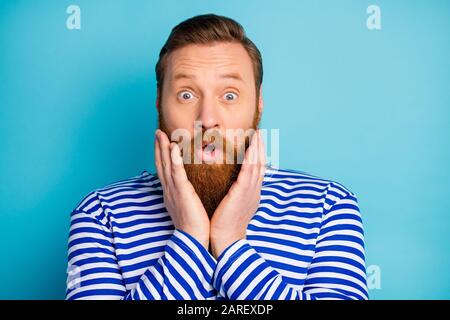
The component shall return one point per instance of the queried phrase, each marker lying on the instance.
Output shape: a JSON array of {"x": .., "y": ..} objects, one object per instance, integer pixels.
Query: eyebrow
[
  {"x": 235, "y": 76},
  {"x": 183, "y": 76}
]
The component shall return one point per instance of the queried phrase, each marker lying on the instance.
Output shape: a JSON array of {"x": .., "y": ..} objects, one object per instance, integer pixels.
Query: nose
[{"x": 208, "y": 114}]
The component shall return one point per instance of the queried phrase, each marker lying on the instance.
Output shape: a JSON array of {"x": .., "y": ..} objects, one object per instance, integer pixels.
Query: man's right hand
[{"x": 181, "y": 201}]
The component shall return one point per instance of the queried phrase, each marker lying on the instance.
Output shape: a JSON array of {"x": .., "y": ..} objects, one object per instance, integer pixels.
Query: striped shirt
[{"x": 305, "y": 241}]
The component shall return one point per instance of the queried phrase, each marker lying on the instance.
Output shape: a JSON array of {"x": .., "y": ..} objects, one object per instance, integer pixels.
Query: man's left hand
[{"x": 232, "y": 216}]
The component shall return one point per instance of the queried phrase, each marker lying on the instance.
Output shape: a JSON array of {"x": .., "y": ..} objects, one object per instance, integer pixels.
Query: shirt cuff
[
  {"x": 195, "y": 259},
  {"x": 237, "y": 266}
]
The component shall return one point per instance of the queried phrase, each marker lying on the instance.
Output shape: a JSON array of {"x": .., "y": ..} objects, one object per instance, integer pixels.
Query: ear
[{"x": 261, "y": 101}]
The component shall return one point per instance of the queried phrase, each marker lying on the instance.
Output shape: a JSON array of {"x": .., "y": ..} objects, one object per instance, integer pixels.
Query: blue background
[{"x": 369, "y": 109}]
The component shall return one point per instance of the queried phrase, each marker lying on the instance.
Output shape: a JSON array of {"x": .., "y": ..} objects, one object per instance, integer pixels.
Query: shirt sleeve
[
  {"x": 337, "y": 270},
  {"x": 184, "y": 271}
]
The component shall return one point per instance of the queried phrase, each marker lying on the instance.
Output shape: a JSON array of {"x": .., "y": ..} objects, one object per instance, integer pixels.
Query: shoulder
[
  {"x": 299, "y": 183},
  {"x": 119, "y": 194}
]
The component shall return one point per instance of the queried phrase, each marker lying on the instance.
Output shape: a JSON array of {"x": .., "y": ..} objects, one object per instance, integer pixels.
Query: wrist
[
  {"x": 200, "y": 237},
  {"x": 219, "y": 244}
]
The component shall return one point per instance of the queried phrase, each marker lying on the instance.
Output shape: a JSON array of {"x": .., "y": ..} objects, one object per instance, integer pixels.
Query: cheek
[{"x": 241, "y": 117}]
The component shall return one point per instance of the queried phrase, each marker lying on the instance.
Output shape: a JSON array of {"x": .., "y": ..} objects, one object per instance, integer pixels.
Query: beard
[{"x": 212, "y": 181}]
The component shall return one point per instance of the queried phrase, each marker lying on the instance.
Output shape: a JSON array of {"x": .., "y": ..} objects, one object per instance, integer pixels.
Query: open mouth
[
  {"x": 209, "y": 148},
  {"x": 208, "y": 152}
]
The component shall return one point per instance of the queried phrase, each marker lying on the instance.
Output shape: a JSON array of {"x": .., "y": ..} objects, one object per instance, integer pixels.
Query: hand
[
  {"x": 182, "y": 202},
  {"x": 232, "y": 216}
]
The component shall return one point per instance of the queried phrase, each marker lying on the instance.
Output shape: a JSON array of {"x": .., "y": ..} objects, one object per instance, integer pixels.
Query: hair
[{"x": 206, "y": 29}]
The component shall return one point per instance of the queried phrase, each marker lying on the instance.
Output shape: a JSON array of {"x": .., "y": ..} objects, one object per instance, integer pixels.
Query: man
[{"x": 206, "y": 227}]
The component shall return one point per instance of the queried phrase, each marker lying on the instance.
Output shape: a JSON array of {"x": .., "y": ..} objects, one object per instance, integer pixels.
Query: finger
[
  {"x": 178, "y": 173},
  {"x": 261, "y": 149},
  {"x": 165, "y": 157},
  {"x": 255, "y": 164},
  {"x": 254, "y": 156},
  {"x": 262, "y": 157},
  {"x": 245, "y": 174},
  {"x": 158, "y": 162},
  {"x": 250, "y": 152}
]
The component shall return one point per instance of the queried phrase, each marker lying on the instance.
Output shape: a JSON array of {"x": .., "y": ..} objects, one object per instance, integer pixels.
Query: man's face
[{"x": 215, "y": 85}]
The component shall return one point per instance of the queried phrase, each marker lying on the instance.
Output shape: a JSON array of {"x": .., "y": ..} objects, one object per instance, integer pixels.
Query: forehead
[{"x": 215, "y": 59}]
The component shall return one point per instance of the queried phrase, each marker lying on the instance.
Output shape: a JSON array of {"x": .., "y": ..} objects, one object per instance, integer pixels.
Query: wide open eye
[
  {"x": 230, "y": 96},
  {"x": 185, "y": 95}
]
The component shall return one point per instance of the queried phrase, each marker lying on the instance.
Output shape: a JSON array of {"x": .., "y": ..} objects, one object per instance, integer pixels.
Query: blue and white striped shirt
[{"x": 305, "y": 241}]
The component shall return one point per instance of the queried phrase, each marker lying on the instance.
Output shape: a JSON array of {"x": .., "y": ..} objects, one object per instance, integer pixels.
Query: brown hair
[{"x": 203, "y": 29}]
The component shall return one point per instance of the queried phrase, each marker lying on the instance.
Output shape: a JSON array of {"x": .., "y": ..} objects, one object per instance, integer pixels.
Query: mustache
[{"x": 231, "y": 146}]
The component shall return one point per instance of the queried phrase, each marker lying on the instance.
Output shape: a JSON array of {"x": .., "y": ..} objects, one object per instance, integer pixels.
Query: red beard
[{"x": 212, "y": 181}]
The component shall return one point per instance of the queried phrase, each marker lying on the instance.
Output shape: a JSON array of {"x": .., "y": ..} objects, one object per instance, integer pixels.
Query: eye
[
  {"x": 185, "y": 95},
  {"x": 230, "y": 96}
]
